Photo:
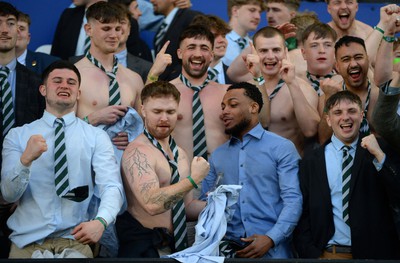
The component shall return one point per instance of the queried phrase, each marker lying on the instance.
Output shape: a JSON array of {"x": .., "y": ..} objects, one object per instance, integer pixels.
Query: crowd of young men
[{"x": 310, "y": 131}]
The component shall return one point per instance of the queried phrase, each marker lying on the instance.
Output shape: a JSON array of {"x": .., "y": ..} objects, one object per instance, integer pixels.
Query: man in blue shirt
[
  {"x": 266, "y": 166},
  {"x": 52, "y": 167},
  {"x": 349, "y": 185}
]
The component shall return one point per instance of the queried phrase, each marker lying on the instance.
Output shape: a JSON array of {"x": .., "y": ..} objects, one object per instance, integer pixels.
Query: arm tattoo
[
  {"x": 167, "y": 200},
  {"x": 137, "y": 160}
]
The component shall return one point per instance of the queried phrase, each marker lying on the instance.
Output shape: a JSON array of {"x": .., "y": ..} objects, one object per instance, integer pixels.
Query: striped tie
[
  {"x": 86, "y": 47},
  {"x": 241, "y": 42},
  {"x": 159, "y": 37},
  {"x": 199, "y": 133},
  {"x": 7, "y": 110},
  {"x": 347, "y": 163},
  {"x": 114, "y": 92},
  {"x": 277, "y": 88},
  {"x": 60, "y": 160},
  {"x": 213, "y": 74},
  {"x": 178, "y": 210},
  {"x": 315, "y": 82}
]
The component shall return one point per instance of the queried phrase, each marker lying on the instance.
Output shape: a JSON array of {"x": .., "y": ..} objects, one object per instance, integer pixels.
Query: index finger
[
  {"x": 164, "y": 48},
  {"x": 253, "y": 49}
]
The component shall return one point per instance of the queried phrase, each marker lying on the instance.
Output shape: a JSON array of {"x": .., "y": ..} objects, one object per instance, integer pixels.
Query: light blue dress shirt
[
  {"x": 221, "y": 76},
  {"x": 122, "y": 57},
  {"x": 40, "y": 212},
  {"x": 148, "y": 20},
  {"x": 333, "y": 160},
  {"x": 233, "y": 49},
  {"x": 12, "y": 77},
  {"x": 270, "y": 202}
]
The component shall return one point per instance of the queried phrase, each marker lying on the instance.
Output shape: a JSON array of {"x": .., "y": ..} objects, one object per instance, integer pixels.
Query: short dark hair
[
  {"x": 7, "y": 9},
  {"x": 24, "y": 18},
  {"x": 342, "y": 96},
  {"x": 320, "y": 30},
  {"x": 213, "y": 23},
  {"x": 60, "y": 64},
  {"x": 160, "y": 89},
  {"x": 268, "y": 32},
  {"x": 250, "y": 91},
  {"x": 105, "y": 12},
  {"x": 347, "y": 40},
  {"x": 197, "y": 32}
]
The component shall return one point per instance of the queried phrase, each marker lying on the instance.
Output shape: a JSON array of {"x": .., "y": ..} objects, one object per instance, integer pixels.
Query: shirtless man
[
  {"x": 343, "y": 13},
  {"x": 195, "y": 51},
  {"x": 151, "y": 191},
  {"x": 294, "y": 112},
  {"x": 352, "y": 64},
  {"x": 95, "y": 105}
]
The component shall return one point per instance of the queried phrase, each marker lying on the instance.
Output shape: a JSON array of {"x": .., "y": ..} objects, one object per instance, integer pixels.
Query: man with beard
[
  {"x": 23, "y": 104},
  {"x": 244, "y": 17},
  {"x": 158, "y": 181},
  {"x": 219, "y": 28},
  {"x": 352, "y": 64},
  {"x": 175, "y": 21},
  {"x": 266, "y": 166},
  {"x": 196, "y": 52}
]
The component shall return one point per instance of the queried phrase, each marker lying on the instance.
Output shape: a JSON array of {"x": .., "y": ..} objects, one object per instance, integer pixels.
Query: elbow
[
  {"x": 311, "y": 130},
  {"x": 153, "y": 209}
]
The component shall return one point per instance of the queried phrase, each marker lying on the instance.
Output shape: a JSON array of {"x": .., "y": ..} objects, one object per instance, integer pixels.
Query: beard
[
  {"x": 195, "y": 74},
  {"x": 238, "y": 128}
]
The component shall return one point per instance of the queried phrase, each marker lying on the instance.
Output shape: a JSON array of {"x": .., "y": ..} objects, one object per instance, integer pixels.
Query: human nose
[{"x": 321, "y": 49}]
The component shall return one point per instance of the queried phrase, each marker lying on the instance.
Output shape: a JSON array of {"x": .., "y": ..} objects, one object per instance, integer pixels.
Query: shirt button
[{"x": 241, "y": 165}]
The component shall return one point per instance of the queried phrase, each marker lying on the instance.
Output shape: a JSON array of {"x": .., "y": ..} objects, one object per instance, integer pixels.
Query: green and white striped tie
[
  {"x": 86, "y": 46},
  {"x": 114, "y": 92},
  {"x": 213, "y": 74},
  {"x": 7, "y": 109},
  {"x": 347, "y": 163},
  {"x": 199, "y": 132},
  {"x": 60, "y": 160},
  {"x": 178, "y": 210}
]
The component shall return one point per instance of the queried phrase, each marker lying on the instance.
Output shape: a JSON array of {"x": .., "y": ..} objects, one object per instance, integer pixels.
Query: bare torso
[
  {"x": 136, "y": 187},
  {"x": 211, "y": 97},
  {"x": 95, "y": 88},
  {"x": 358, "y": 29}
]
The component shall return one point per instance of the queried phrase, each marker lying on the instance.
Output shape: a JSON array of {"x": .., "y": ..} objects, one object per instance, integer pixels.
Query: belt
[{"x": 338, "y": 249}]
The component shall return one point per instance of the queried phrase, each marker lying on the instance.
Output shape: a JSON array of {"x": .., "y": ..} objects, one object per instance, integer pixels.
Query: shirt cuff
[{"x": 379, "y": 165}]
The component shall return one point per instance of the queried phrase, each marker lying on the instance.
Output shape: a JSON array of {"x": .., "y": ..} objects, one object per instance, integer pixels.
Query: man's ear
[
  {"x": 42, "y": 90},
  {"x": 142, "y": 111},
  {"x": 88, "y": 29},
  {"x": 328, "y": 120},
  {"x": 179, "y": 53},
  {"x": 254, "y": 107}
]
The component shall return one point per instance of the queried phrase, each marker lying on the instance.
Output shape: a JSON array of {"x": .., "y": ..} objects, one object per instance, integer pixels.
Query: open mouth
[
  {"x": 271, "y": 22},
  {"x": 63, "y": 94},
  {"x": 346, "y": 127},
  {"x": 270, "y": 65},
  {"x": 354, "y": 73},
  {"x": 344, "y": 17},
  {"x": 197, "y": 64}
]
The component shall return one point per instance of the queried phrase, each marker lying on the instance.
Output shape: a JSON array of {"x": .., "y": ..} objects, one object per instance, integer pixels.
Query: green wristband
[
  {"x": 192, "y": 181},
  {"x": 389, "y": 39},
  {"x": 379, "y": 29},
  {"x": 102, "y": 221}
]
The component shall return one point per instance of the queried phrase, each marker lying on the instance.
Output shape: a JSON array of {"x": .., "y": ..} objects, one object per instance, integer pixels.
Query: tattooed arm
[{"x": 148, "y": 175}]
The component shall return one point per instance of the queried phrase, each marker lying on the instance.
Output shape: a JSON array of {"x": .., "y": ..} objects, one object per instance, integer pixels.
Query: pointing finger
[
  {"x": 253, "y": 49},
  {"x": 164, "y": 48}
]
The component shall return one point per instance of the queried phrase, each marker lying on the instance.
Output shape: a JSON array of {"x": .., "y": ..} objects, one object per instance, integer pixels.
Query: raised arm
[{"x": 140, "y": 170}]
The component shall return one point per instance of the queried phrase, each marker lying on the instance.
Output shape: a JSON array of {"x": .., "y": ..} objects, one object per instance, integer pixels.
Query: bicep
[{"x": 139, "y": 173}]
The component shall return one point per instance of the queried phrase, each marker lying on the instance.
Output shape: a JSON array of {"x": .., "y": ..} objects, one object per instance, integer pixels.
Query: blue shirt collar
[
  {"x": 12, "y": 65},
  {"x": 338, "y": 145},
  {"x": 50, "y": 118},
  {"x": 257, "y": 132}
]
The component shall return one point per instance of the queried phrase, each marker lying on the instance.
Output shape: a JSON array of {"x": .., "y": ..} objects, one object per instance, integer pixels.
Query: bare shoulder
[
  {"x": 84, "y": 63},
  {"x": 130, "y": 76},
  {"x": 305, "y": 86},
  {"x": 364, "y": 27},
  {"x": 177, "y": 81}
]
